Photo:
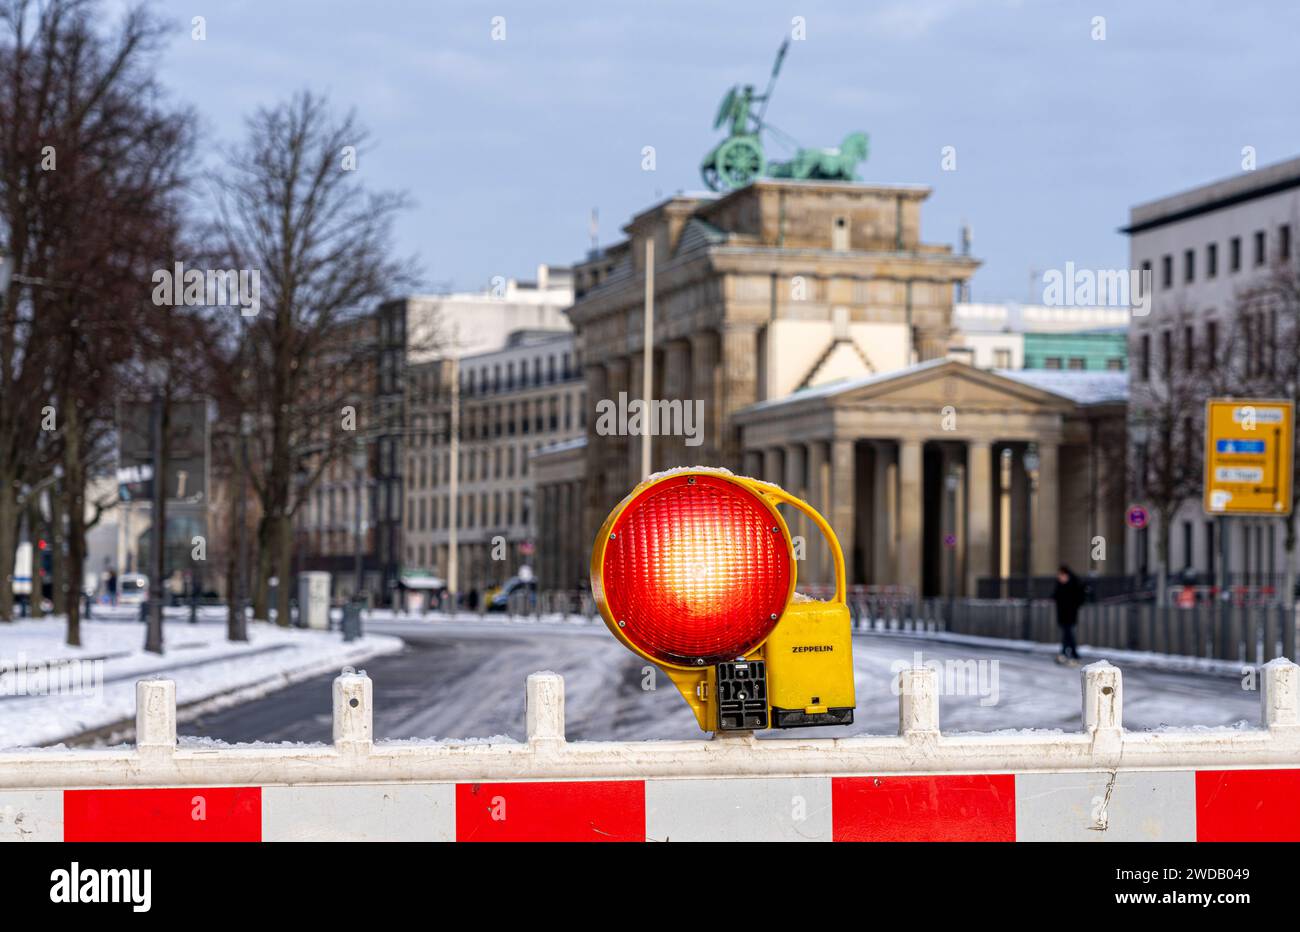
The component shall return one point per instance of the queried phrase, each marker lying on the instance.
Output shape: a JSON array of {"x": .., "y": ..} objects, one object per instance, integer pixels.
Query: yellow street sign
[{"x": 1248, "y": 452}]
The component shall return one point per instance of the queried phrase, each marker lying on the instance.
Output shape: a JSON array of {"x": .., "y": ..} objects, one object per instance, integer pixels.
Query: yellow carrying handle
[{"x": 779, "y": 495}]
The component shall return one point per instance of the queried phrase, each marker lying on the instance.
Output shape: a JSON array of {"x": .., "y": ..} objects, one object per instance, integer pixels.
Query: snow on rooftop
[{"x": 1081, "y": 387}]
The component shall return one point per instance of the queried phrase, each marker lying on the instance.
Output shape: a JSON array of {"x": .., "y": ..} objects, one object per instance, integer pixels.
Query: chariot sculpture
[{"x": 740, "y": 159}]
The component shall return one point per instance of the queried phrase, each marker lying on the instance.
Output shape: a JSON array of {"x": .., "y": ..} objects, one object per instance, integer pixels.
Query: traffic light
[{"x": 695, "y": 572}]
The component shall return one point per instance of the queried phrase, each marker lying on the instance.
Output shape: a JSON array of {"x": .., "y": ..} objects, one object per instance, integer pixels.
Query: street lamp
[{"x": 359, "y": 467}]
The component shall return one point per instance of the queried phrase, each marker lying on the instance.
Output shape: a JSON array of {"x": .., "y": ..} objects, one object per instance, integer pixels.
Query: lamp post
[
  {"x": 359, "y": 467},
  {"x": 153, "y": 642},
  {"x": 240, "y": 628}
]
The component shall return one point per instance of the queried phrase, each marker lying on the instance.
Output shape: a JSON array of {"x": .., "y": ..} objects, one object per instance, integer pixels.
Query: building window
[
  {"x": 1078, "y": 363},
  {"x": 1189, "y": 348},
  {"x": 1234, "y": 254},
  {"x": 1144, "y": 358},
  {"x": 1002, "y": 359},
  {"x": 1189, "y": 265},
  {"x": 1115, "y": 364},
  {"x": 1052, "y": 362},
  {"x": 1166, "y": 353},
  {"x": 1187, "y": 544},
  {"x": 1211, "y": 343},
  {"x": 1284, "y": 242},
  {"x": 840, "y": 234},
  {"x": 1167, "y": 272},
  {"x": 1260, "y": 254},
  {"x": 1211, "y": 260}
]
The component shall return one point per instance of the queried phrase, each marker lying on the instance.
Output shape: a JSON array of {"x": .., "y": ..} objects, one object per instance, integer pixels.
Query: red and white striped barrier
[
  {"x": 1100, "y": 784},
  {"x": 1207, "y": 805}
]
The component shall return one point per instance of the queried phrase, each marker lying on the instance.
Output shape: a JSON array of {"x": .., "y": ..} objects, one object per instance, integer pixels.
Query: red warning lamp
[
  {"x": 40, "y": 545},
  {"x": 696, "y": 570}
]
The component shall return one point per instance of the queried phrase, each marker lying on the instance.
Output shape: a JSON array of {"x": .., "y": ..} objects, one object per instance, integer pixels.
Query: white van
[{"x": 132, "y": 589}]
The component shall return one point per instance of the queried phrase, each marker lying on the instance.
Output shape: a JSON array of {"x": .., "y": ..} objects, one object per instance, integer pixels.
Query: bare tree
[
  {"x": 293, "y": 208},
  {"x": 1165, "y": 421},
  {"x": 90, "y": 171},
  {"x": 1264, "y": 361}
]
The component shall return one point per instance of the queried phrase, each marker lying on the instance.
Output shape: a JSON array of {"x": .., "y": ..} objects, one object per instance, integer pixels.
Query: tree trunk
[
  {"x": 73, "y": 497},
  {"x": 261, "y": 588},
  {"x": 1162, "y": 560},
  {"x": 284, "y": 557},
  {"x": 58, "y": 564},
  {"x": 35, "y": 525},
  {"x": 8, "y": 543}
]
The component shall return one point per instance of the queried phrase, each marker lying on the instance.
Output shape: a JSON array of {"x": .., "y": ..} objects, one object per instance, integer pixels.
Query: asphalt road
[{"x": 466, "y": 680}]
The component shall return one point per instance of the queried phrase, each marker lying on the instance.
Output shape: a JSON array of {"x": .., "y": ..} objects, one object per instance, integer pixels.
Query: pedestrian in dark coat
[{"x": 1069, "y": 595}]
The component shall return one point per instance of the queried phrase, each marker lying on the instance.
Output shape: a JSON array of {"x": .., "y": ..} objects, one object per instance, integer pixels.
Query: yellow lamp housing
[{"x": 689, "y": 546}]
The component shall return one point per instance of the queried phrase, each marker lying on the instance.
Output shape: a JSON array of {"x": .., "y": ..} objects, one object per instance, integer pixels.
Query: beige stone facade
[
  {"x": 778, "y": 286},
  {"x": 812, "y": 326}
]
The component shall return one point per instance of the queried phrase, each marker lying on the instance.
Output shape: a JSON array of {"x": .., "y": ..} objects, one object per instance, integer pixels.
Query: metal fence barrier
[{"x": 1215, "y": 630}]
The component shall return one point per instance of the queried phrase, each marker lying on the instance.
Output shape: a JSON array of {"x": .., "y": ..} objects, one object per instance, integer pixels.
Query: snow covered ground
[{"x": 50, "y": 692}]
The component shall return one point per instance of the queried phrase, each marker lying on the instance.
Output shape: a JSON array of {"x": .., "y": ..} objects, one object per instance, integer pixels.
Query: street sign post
[
  {"x": 187, "y": 452},
  {"x": 1248, "y": 454}
]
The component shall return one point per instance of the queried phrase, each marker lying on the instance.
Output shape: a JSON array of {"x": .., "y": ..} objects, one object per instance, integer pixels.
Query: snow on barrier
[{"x": 1103, "y": 783}]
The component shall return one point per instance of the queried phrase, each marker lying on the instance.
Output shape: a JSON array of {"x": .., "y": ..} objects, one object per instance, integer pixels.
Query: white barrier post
[
  {"x": 1103, "y": 700},
  {"x": 353, "y": 712},
  {"x": 155, "y": 716},
  {"x": 918, "y": 703},
  {"x": 545, "y": 709},
  {"x": 1278, "y": 695}
]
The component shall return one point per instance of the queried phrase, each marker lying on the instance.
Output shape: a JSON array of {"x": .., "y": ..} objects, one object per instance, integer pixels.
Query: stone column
[
  {"x": 818, "y": 570},
  {"x": 1018, "y": 529},
  {"x": 1047, "y": 512},
  {"x": 594, "y": 506},
  {"x": 676, "y": 381},
  {"x": 910, "y": 515},
  {"x": 979, "y": 513},
  {"x": 794, "y": 482},
  {"x": 635, "y": 370},
  {"x": 772, "y": 465},
  {"x": 882, "y": 514},
  {"x": 706, "y": 386},
  {"x": 842, "y": 491},
  {"x": 616, "y": 445},
  {"x": 739, "y": 365}
]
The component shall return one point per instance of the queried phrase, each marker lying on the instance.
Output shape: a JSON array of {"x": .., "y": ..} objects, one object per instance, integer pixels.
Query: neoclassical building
[
  {"x": 924, "y": 476},
  {"x": 781, "y": 310}
]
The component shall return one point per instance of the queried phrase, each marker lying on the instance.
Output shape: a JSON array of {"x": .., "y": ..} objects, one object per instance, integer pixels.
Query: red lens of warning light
[{"x": 696, "y": 570}]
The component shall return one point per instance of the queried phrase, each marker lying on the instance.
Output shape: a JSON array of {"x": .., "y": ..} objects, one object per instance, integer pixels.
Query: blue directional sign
[{"x": 1239, "y": 446}]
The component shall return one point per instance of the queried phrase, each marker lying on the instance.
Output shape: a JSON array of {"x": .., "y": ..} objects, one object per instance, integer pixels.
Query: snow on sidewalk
[{"x": 37, "y": 707}]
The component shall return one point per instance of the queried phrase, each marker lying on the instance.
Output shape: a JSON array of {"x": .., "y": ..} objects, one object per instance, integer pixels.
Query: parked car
[
  {"x": 132, "y": 589},
  {"x": 500, "y": 601}
]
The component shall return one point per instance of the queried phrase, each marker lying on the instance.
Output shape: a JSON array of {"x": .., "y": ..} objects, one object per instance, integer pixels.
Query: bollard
[
  {"x": 353, "y": 712},
  {"x": 918, "y": 702},
  {"x": 545, "y": 709},
  {"x": 155, "y": 716},
  {"x": 352, "y": 621},
  {"x": 1278, "y": 694},
  {"x": 1103, "y": 698}
]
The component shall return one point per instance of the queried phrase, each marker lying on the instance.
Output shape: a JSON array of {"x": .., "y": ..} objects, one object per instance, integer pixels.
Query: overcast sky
[{"x": 505, "y": 146}]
